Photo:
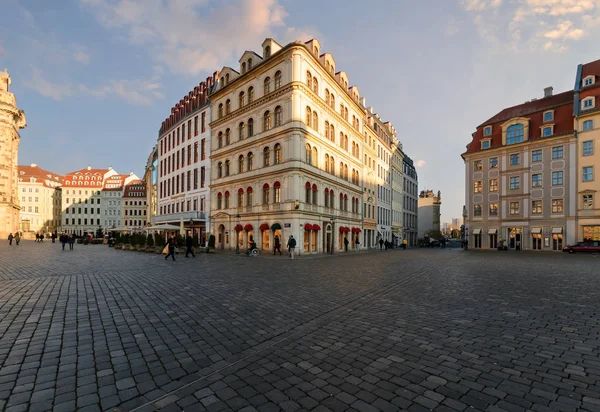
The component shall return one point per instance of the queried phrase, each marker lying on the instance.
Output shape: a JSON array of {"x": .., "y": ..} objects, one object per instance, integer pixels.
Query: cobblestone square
[{"x": 425, "y": 329}]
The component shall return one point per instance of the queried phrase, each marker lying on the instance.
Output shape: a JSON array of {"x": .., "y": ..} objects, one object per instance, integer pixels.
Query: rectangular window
[
  {"x": 487, "y": 131},
  {"x": 189, "y": 180},
  {"x": 557, "y": 205},
  {"x": 203, "y": 125},
  {"x": 203, "y": 149},
  {"x": 536, "y": 180},
  {"x": 588, "y": 173},
  {"x": 515, "y": 159},
  {"x": 536, "y": 207},
  {"x": 477, "y": 165},
  {"x": 196, "y": 126},
  {"x": 477, "y": 186},
  {"x": 588, "y": 202},
  {"x": 588, "y": 148},
  {"x": 536, "y": 156},
  {"x": 493, "y": 185},
  {"x": 493, "y": 162},
  {"x": 189, "y": 155},
  {"x": 189, "y": 129},
  {"x": 547, "y": 131},
  {"x": 557, "y": 178},
  {"x": 514, "y": 182},
  {"x": 477, "y": 210},
  {"x": 548, "y": 116},
  {"x": 485, "y": 144},
  {"x": 588, "y": 104},
  {"x": 515, "y": 208},
  {"x": 202, "y": 176},
  {"x": 588, "y": 125},
  {"x": 557, "y": 152},
  {"x": 493, "y": 209}
]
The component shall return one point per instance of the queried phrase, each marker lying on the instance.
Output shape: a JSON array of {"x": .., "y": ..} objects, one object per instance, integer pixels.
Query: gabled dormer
[
  {"x": 270, "y": 47},
  {"x": 328, "y": 61},
  {"x": 314, "y": 46},
  {"x": 342, "y": 79},
  {"x": 589, "y": 80},
  {"x": 248, "y": 60},
  {"x": 226, "y": 76},
  {"x": 354, "y": 93}
]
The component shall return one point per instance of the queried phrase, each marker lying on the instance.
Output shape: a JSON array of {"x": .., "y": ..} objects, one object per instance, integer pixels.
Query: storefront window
[{"x": 591, "y": 233}]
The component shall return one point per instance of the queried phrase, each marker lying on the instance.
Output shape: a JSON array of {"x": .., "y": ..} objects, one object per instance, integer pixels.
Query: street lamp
[
  {"x": 237, "y": 235},
  {"x": 332, "y": 220}
]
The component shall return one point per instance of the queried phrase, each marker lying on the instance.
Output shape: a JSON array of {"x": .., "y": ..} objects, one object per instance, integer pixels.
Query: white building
[
  {"x": 40, "y": 193},
  {"x": 134, "y": 203}
]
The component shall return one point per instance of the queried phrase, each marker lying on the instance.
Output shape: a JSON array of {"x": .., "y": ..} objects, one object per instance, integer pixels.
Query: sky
[{"x": 97, "y": 77}]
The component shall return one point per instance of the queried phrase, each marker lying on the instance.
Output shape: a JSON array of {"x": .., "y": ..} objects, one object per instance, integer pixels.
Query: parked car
[{"x": 587, "y": 246}]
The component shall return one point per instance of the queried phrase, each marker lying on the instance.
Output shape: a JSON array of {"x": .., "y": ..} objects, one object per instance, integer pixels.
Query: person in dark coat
[
  {"x": 189, "y": 246},
  {"x": 380, "y": 244},
  {"x": 171, "y": 244},
  {"x": 277, "y": 247},
  {"x": 346, "y": 241}
]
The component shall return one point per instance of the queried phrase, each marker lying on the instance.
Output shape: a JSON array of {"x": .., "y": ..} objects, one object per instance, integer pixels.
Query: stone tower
[{"x": 11, "y": 120}]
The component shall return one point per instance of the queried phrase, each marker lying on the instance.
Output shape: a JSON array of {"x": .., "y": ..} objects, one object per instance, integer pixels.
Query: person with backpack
[{"x": 291, "y": 244}]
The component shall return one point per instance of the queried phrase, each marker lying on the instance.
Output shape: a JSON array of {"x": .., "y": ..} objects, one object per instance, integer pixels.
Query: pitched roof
[
  {"x": 591, "y": 68},
  {"x": 93, "y": 177},
  {"x": 135, "y": 186},
  {"x": 41, "y": 175}
]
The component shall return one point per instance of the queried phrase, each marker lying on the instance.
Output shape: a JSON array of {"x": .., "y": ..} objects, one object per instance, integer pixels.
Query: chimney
[
  {"x": 33, "y": 165},
  {"x": 363, "y": 101},
  {"x": 89, "y": 167},
  {"x": 548, "y": 91}
]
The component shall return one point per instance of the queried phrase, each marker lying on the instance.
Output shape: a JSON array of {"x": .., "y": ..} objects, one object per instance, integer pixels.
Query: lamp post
[
  {"x": 465, "y": 231},
  {"x": 332, "y": 220},
  {"x": 237, "y": 236}
]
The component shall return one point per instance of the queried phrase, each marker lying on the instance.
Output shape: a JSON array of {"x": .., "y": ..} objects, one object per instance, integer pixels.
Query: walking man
[
  {"x": 291, "y": 244},
  {"x": 71, "y": 241},
  {"x": 277, "y": 247},
  {"x": 171, "y": 244},
  {"x": 18, "y": 238},
  {"x": 346, "y": 244},
  {"x": 380, "y": 243},
  {"x": 357, "y": 244},
  {"x": 189, "y": 243},
  {"x": 63, "y": 240},
  {"x": 10, "y": 238}
]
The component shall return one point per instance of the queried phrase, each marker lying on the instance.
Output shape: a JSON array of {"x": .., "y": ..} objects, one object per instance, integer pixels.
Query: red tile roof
[
  {"x": 591, "y": 68},
  {"x": 135, "y": 187},
  {"x": 41, "y": 175},
  {"x": 94, "y": 177}
]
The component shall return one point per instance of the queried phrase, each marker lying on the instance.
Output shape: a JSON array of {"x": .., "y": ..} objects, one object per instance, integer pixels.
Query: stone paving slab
[{"x": 100, "y": 329}]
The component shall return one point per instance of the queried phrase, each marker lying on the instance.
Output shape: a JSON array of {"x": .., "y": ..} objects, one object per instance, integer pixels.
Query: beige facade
[
  {"x": 11, "y": 120},
  {"x": 429, "y": 212},
  {"x": 397, "y": 195},
  {"x": 151, "y": 179},
  {"x": 41, "y": 196},
  {"x": 134, "y": 204}
]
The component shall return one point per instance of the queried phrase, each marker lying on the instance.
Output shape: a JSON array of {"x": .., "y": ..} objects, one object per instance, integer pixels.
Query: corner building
[
  {"x": 521, "y": 177},
  {"x": 41, "y": 196},
  {"x": 287, "y": 146}
]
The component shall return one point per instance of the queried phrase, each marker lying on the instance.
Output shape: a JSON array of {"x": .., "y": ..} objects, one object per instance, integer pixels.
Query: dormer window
[
  {"x": 588, "y": 103},
  {"x": 267, "y": 52},
  {"x": 588, "y": 81},
  {"x": 548, "y": 116},
  {"x": 514, "y": 134},
  {"x": 487, "y": 131},
  {"x": 547, "y": 131},
  {"x": 485, "y": 143}
]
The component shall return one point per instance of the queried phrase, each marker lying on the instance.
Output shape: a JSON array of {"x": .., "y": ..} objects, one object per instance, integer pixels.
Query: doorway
[
  {"x": 537, "y": 241},
  {"x": 493, "y": 241},
  {"x": 221, "y": 239},
  {"x": 557, "y": 241},
  {"x": 514, "y": 238},
  {"x": 327, "y": 239}
]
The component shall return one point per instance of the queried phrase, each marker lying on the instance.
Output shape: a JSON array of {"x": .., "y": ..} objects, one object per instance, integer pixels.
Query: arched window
[
  {"x": 315, "y": 194},
  {"x": 249, "y": 197},
  {"x": 226, "y": 203},
  {"x": 240, "y": 197},
  {"x": 315, "y": 85},
  {"x": 346, "y": 172},
  {"x": 332, "y": 165},
  {"x": 250, "y": 127},
  {"x": 278, "y": 115},
  {"x": 326, "y": 129},
  {"x": 267, "y": 121},
  {"x": 250, "y": 161},
  {"x": 346, "y": 113},
  {"x": 308, "y": 116},
  {"x": 220, "y": 169},
  {"x": 315, "y": 121},
  {"x": 326, "y": 198},
  {"x": 267, "y": 52},
  {"x": 220, "y": 110},
  {"x": 315, "y": 157},
  {"x": 346, "y": 142},
  {"x": 228, "y": 106},
  {"x": 227, "y": 136},
  {"x": 327, "y": 96},
  {"x": 220, "y": 139},
  {"x": 250, "y": 94},
  {"x": 227, "y": 78},
  {"x": 308, "y": 191},
  {"x": 241, "y": 164},
  {"x": 243, "y": 67},
  {"x": 332, "y": 132},
  {"x": 326, "y": 163},
  {"x": 308, "y": 154},
  {"x": 249, "y": 63},
  {"x": 332, "y": 101},
  {"x": 278, "y": 154},
  {"x": 331, "y": 199},
  {"x": 276, "y": 192},
  {"x": 342, "y": 140},
  {"x": 267, "y": 85},
  {"x": 266, "y": 194},
  {"x": 342, "y": 110},
  {"x": 241, "y": 131},
  {"x": 341, "y": 170},
  {"x": 309, "y": 80},
  {"x": 514, "y": 134},
  {"x": 357, "y": 178},
  {"x": 266, "y": 156},
  {"x": 226, "y": 168},
  {"x": 241, "y": 99},
  {"x": 277, "y": 80}
]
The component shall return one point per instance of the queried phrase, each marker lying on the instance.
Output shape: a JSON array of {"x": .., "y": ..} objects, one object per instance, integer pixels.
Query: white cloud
[
  {"x": 81, "y": 56},
  {"x": 191, "y": 36},
  {"x": 481, "y": 5},
  {"x": 560, "y": 7},
  {"x": 46, "y": 88},
  {"x": 137, "y": 92},
  {"x": 564, "y": 31},
  {"x": 421, "y": 163}
]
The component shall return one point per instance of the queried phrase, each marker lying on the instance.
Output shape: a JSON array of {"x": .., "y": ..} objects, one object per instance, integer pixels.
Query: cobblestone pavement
[{"x": 429, "y": 329}]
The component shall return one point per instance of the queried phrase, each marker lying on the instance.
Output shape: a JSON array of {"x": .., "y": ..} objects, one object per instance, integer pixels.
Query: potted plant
[
  {"x": 126, "y": 241},
  {"x": 160, "y": 243},
  {"x": 150, "y": 243}
]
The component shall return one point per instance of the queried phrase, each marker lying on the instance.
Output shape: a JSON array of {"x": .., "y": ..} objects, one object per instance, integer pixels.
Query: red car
[{"x": 587, "y": 246}]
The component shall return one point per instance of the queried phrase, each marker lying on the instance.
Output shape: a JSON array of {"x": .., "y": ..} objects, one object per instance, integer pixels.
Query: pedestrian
[
  {"x": 189, "y": 243},
  {"x": 18, "y": 238},
  {"x": 346, "y": 243},
  {"x": 63, "y": 240},
  {"x": 42, "y": 238},
  {"x": 291, "y": 244},
  {"x": 404, "y": 243},
  {"x": 380, "y": 243},
  {"x": 54, "y": 237},
  {"x": 386, "y": 244},
  {"x": 10, "y": 238},
  {"x": 37, "y": 237},
  {"x": 357, "y": 244},
  {"x": 171, "y": 244},
  {"x": 277, "y": 247},
  {"x": 71, "y": 241}
]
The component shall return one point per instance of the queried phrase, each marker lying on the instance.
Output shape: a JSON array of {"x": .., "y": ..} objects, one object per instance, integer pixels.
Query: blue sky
[{"x": 97, "y": 77}]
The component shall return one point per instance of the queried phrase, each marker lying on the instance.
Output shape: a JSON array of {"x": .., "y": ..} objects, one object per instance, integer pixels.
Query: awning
[
  {"x": 536, "y": 230},
  {"x": 557, "y": 230},
  {"x": 238, "y": 228},
  {"x": 476, "y": 231},
  {"x": 308, "y": 226},
  {"x": 275, "y": 226},
  {"x": 344, "y": 229},
  {"x": 248, "y": 227},
  {"x": 356, "y": 230},
  {"x": 264, "y": 226},
  {"x": 492, "y": 231},
  {"x": 316, "y": 228}
]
